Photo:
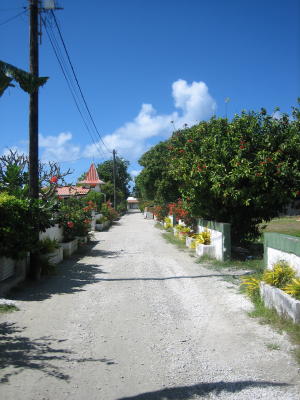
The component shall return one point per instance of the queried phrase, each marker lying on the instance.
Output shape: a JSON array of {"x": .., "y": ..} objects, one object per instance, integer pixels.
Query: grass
[
  {"x": 280, "y": 324},
  {"x": 7, "y": 308},
  {"x": 169, "y": 237},
  {"x": 159, "y": 226},
  {"x": 273, "y": 346},
  {"x": 286, "y": 225},
  {"x": 255, "y": 265}
]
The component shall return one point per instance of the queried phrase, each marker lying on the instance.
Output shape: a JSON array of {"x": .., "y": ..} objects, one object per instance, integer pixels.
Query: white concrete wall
[
  {"x": 275, "y": 255},
  {"x": 216, "y": 240},
  {"x": 55, "y": 232}
]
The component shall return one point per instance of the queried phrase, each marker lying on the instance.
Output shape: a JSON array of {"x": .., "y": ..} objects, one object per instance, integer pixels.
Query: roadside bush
[
  {"x": 243, "y": 171},
  {"x": 19, "y": 220},
  {"x": 280, "y": 275}
]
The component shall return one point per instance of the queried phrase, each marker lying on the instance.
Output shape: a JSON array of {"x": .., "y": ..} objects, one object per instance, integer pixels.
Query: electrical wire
[
  {"x": 60, "y": 60},
  {"x": 76, "y": 79},
  {"x": 12, "y": 18},
  {"x": 75, "y": 76}
]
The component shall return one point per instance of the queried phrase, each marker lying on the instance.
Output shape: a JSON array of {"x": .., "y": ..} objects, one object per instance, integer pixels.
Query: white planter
[
  {"x": 188, "y": 241},
  {"x": 82, "y": 239},
  {"x": 56, "y": 256},
  {"x": 99, "y": 227},
  {"x": 205, "y": 250},
  {"x": 283, "y": 303},
  {"x": 69, "y": 248},
  {"x": 7, "y": 268}
]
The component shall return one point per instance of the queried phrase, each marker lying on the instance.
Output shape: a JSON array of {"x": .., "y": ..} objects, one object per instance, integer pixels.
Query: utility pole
[
  {"x": 34, "y": 102},
  {"x": 114, "y": 177}
]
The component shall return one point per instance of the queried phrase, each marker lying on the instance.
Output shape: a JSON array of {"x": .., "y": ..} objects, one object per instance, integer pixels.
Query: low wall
[
  {"x": 282, "y": 247},
  {"x": 220, "y": 237},
  {"x": 55, "y": 232}
]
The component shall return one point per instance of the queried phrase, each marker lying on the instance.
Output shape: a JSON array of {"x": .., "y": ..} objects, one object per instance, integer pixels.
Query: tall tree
[
  {"x": 105, "y": 171},
  {"x": 155, "y": 182}
]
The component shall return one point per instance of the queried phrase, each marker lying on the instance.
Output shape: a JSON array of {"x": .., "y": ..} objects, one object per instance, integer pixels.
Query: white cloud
[
  {"x": 58, "y": 148},
  {"x": 193, "y": 103},
  {"x": 135, "y": 172}
]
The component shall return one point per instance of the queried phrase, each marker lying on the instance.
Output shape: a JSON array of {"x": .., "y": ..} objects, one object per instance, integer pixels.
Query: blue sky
[{"x": 142, "y": 64}]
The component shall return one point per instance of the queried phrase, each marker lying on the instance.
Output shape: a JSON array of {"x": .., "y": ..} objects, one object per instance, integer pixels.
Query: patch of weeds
[
  {"x": 159, "y": 226},
  {"x": 279, "y": 323},
  {"x": 7, "y": 308},
  {"x": 255, "y": 265},
  {"x": 273, "y": 346},
  {"x": 169, "y": 237}
]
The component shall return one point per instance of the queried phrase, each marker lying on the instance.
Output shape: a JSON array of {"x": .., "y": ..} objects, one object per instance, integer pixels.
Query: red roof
[
  {"x": 92, "y": 177},
  {"x": 71, "y": 190}
]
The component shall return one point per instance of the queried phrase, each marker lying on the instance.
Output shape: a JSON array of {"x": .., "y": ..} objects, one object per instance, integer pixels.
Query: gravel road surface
[{"x": 138, "y": 319}]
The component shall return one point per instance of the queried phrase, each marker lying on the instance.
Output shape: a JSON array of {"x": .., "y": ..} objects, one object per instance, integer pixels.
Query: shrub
[
  {"x": 47, "y": 245},
  {"x": 167, "y": 222},
  {"x": 293, "y": 288},
  {"x": 203, "y": 237},
  {"x": 280, "y": 275},
  {"x": 20, "y": 220},
  {"x": 251, "y": 284}
]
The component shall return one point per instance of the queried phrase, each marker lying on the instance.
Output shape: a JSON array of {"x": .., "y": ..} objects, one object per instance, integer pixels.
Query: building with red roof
[
  {"x": 92, "y": 179},
  {"x": 90, "y": 182}
]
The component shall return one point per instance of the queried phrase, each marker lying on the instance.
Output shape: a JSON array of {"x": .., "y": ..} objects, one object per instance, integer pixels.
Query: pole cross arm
[{"x": 28, "y": 82}]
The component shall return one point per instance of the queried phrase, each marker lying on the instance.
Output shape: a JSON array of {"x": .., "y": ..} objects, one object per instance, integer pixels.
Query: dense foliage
[
  {"x": 105, "y": 171},
  {"x": 155, "y": 182},
  {"x": 19, "y": 217},
  {"x": 243, "y": 171}
]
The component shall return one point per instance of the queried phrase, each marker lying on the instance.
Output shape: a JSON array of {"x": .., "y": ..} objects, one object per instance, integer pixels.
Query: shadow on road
[
  {"x": 168, "y": 277},
  {"x": 201, "y": 389},
  {"x": 72, "y": 276},
  {"x": 19, "y": 353}
]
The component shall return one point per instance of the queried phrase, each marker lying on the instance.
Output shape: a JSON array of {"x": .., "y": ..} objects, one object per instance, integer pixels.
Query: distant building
[
  {"x": 132, "y": 204},
  {"x": 70, "y": 191},
  {"x": 90, "y": 182},
  {"x": 92, "y": 179}
]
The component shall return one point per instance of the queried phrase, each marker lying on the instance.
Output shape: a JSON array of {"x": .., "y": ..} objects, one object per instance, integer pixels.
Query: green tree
[
  {"x": 243, "y": 172},
  {"x": 105, "y": 171},
  {"x": 155, "y": 182}
]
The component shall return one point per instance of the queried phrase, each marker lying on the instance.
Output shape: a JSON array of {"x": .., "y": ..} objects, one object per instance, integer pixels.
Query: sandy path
[{"x": 137, "y": 319}]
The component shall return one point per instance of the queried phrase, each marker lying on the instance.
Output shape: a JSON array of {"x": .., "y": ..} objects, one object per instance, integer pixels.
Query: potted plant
[{"x": 203, "y": 244}]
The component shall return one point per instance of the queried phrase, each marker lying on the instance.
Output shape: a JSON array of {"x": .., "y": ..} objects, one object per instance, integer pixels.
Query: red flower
[
  {"x": 190, "y": 141},
  {"x": 242, "y": 146},
  {"x": 54, "y": 179},
  {"x": 181, "y": 151},
  {"x": 70, "y": 224}
]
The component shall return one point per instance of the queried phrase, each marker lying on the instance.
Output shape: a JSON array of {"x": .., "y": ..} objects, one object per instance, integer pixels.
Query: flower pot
[
  {"x": 69, "y": 248},
  {"x": 7, "y": 268},
  {"x": 56, "y": 256},
  {"x": 283, "y": 303},
  {"x": 205, "y": 250},
  {"x": 188, "y": 242},
  {"x": 82, "y": 239},
  {"x": 99, "y": 227}
]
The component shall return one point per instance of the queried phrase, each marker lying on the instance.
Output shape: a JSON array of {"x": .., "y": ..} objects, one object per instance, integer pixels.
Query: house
[
  {"x": 132, "y": 204},
  {"x": 90, "y": 182}
]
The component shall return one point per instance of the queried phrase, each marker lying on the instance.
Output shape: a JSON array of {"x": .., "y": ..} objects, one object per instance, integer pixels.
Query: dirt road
[{"x": 137, "y": 319}]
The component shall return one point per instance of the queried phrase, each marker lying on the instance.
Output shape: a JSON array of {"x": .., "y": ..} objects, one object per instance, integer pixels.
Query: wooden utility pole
[
  {"x": 114, "y": 177},
  {"x": 34, "y": 103}
]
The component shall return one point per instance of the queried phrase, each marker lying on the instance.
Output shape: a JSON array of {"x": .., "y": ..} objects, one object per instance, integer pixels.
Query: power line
[
  {"x": 70, "y": 84},
  {"x": 12, "y": 18},
  {"x": 77, "y": 82}
]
